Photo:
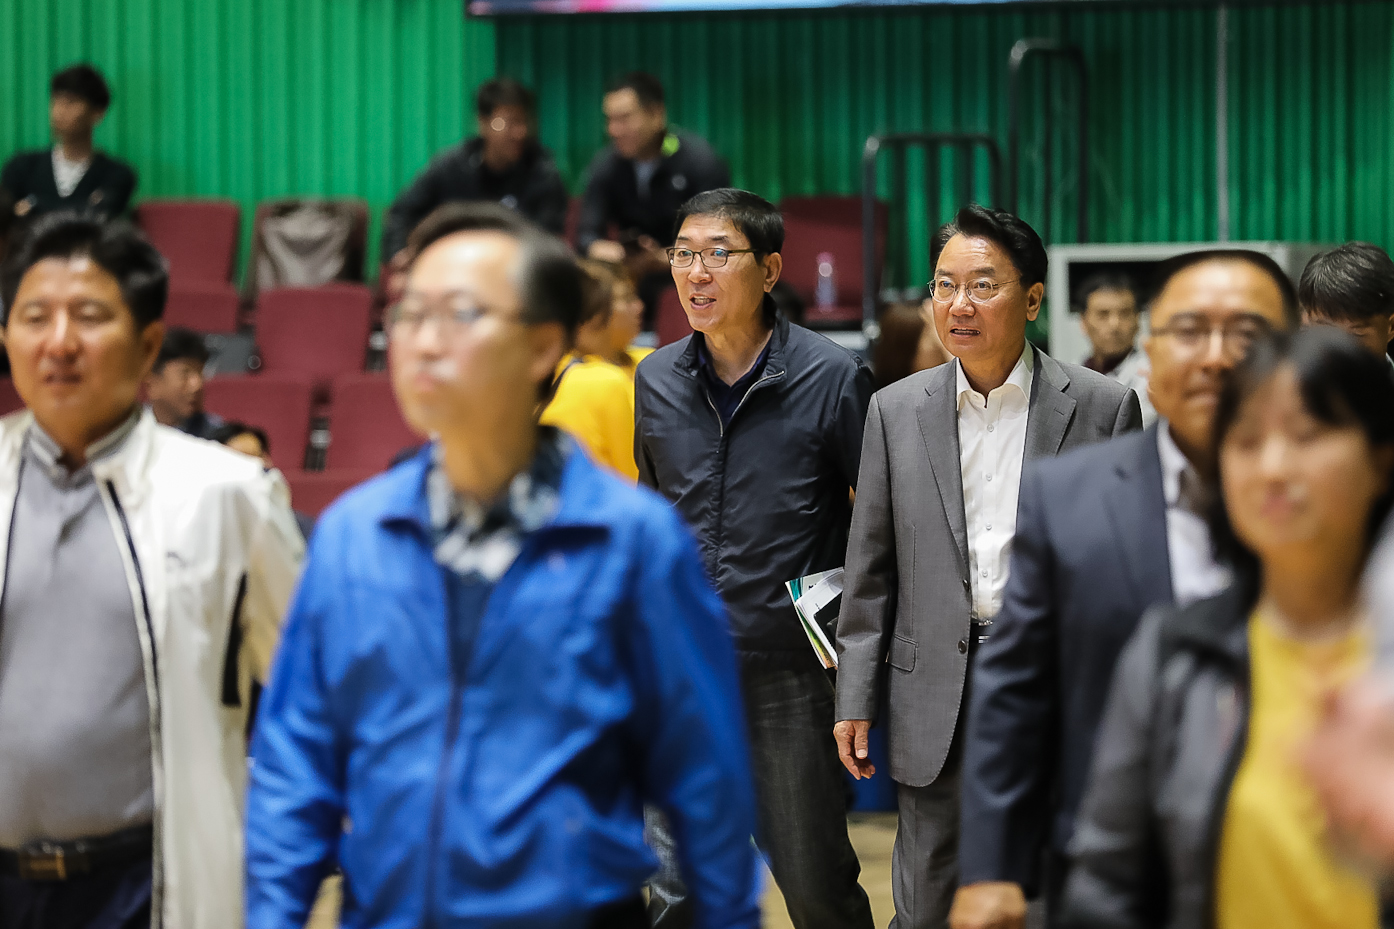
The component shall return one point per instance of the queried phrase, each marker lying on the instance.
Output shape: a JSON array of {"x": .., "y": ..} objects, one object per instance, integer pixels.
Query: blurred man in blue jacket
[{"x": 498, "y": 652}]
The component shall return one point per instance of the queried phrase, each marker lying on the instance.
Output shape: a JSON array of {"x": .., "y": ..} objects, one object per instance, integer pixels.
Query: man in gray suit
[
  {"x": 1102, "y": 534},
  {"x": 925, "y": 574}
]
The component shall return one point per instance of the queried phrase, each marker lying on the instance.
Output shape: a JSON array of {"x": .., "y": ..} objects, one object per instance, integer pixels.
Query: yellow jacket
[{"x": 594, "y": 402}]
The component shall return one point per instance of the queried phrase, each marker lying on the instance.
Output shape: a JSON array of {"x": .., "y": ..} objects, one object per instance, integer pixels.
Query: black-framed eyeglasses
[
  {"x": 1192, "y": 333},
  {"x": 981, "y": 290},
  {"x": 714, "y": 257}
]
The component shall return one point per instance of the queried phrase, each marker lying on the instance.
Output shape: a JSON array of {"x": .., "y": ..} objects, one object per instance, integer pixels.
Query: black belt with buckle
[{"x": 59, "y": 861}]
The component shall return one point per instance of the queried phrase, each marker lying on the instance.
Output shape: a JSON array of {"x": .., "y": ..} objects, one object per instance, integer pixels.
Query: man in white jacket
[{"x": 145, "y": 575}]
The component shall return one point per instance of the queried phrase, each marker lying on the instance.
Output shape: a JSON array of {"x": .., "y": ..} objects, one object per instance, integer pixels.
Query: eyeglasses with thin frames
[
  {"x": 979, "y": 291},
  {"x": 715, "y": 257}
]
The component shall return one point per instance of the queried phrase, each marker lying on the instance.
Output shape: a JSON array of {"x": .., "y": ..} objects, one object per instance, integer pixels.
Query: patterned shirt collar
[
  {"x": 49, "y": 454},
  {"x": 481, "y": 542}
]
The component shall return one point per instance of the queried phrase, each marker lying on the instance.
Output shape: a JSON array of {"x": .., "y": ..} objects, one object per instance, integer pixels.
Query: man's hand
[
  {"x": 605, "y": 250},
  {"x": 850, "y": 735},
  {"x": 988, "y": 905}
]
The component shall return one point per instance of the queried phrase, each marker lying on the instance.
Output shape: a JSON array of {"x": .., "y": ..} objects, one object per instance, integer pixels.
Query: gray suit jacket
[{"x": 904, "y": 625}]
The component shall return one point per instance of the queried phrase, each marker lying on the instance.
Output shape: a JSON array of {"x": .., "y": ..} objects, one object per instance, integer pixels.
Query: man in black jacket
[
  {"x": 503, "y": 163},
  {"x": 637, "y": 183},
  {"x": 752, "y": 428},
  {"x": 71, "y": 175}
]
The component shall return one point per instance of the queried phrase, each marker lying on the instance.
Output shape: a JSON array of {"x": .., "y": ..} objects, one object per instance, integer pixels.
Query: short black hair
[
  {"x": 115, "y": 246},
  {"x": 233, "y": 428},
  {"x": 504, "y": 91},
  {"x": 1342, "y": 384},
  {"x": 84, "y": 82},
  {"x": 1103, "y": 280},
  {"x": 754, "y": 217},
  {"x": 1175, "y": 265},
  {"x": 1352, "y": 282},
  {"x": 1005, "y": 230},
  {"x": 549, "y": 279},
  {"x": 181, "y": 344},
  {"x": 646, "y": 87}
]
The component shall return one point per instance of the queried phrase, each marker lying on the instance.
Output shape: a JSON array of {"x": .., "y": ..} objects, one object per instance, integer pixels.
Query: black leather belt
[
  {"x": 622, "y": 914},
  {"x": 59, "y": 861}
]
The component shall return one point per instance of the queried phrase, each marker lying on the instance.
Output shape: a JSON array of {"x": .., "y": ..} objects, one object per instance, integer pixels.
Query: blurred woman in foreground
[{"x": 1199, "y": 811}]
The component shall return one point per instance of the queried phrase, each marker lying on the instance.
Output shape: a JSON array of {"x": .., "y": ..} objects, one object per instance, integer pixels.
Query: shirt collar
[
  {"x": 1018, "y": 380},
  {"x": 474, "y": 538},
  {"x": 1174, "y": 463},
  {"x": 59, "y": 158},
  {"x": 49, "y": 453}
]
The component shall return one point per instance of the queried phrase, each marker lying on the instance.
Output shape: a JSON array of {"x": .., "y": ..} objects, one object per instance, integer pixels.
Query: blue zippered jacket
[{"x": 602, "y": 677}]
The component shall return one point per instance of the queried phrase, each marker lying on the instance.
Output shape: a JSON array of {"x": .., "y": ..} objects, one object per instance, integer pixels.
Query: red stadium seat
[
  {"x": 278, "y": 404},
  {"x": 197, "y": 237},
  {"x": 9, "y": 399},
  {"x": 670, "y": 322},
  {"x": 202, "y": 306},
  {"x": 804, "y": 241},
  {"x": 312, "y": 491},
  {"x": 845, "y": 211},
  {"x": 366, "y": 429},
  {"x": 573, "y": 221},
  {"x": 320, "y": 332}
]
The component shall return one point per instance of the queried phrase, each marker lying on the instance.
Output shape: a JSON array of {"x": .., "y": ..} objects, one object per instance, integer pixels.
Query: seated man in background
[
  {"x": 503, "y": 163},
  {"x": 1109, "y": 315},
  {"x": 499, "y": 652},
  {"x": 252, "y": 440},
  {"x": 1351, "y": 287},
  {"x": 71, "y": 175},
  {"x": 637, "y": 183},
  {"x": 591, "y": 397},
  {"x": 174, "y": 388},
  {"x": 147, "y": 574}
]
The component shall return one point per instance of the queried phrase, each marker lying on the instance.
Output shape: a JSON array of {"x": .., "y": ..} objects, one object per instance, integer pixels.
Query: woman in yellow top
[
  {"x": 592, "y": 397},
  {"x": 611, "y": 337},
  {"x": 1199, "y": 811}
]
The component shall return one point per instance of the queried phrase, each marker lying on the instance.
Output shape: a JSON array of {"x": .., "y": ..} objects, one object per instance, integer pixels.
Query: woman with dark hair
[{"x": 1199, "y": 812}]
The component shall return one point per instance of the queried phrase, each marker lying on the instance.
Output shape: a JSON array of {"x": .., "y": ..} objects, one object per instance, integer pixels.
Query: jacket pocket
[{"x": 902, "y": 654}]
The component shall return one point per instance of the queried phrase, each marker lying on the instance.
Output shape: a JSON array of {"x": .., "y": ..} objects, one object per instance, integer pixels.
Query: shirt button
[
  {"x": 984, "y": 574},
  {"x": 989, "y": 527},
  {"x": 963, "y": 646},
  {"x": 989, "y": 478},
  {"x": 991, "y": 428}
]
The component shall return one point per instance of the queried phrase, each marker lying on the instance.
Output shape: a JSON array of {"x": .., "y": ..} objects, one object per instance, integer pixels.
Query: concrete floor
[{"x": 872, "y": 834}]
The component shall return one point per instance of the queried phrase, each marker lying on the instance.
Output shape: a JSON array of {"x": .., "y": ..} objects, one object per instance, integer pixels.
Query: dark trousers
[
  {"x": 114, "y": 898},
  {"x": 802, "y": 806}
]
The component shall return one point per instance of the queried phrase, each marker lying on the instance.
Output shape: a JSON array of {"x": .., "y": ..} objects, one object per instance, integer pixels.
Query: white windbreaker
[{"x": 212, "y": 552}]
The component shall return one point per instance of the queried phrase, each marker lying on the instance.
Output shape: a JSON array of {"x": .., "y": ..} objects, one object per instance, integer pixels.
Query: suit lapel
[
  {"x": 938, "y": 418},
  {"x": 1051, "y": 408},
  {"x": 1137, "y": 513}
]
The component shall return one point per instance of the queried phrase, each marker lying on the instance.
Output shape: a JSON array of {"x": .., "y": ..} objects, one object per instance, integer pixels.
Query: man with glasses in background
[
  {"x": 1101, "y": 535},
  {"x": 933, "y": 525},
  {"x": 499, "y": 652},
  {"x": 752, "y": 427}
]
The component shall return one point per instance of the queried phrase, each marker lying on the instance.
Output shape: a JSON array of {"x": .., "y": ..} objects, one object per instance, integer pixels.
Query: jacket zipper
[
  {"x": 452, "y": 723},
  {"x": 721, "y": 434},
  {"x": 157, "y": 911}
]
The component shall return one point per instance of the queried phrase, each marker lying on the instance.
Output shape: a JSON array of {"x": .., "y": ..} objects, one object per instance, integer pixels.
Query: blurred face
[
  {"x": 627, "y": 317},
  {"x": 505, "y": 133},
  {"x": 1220, "y": 301},
  {"x": 76, "y": 356},
  {"x": 69, "y": 116},
  {"x": 1294, "y": 484},
  {"x": 463, "y": 362},
  {"x": 728, "y": 298},
  {"x": 1110, "y": 322},
  {"x": 1375, "y": 334},
  {"x": 992, "y": 331},
  {"x": 636, "y": 130},
  {"x": 175, "y": 391},
  {"x": 248, "y": 444}
]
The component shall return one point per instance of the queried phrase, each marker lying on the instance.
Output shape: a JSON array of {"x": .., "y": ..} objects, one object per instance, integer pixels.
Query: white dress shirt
[
  {"x": 1194, "y": 573},
  {"x": 992, "y": 443},
  {"x": 67, "y": 174}
]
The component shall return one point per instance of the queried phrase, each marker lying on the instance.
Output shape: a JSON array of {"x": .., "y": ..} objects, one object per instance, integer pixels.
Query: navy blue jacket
[
  {"x": 1089, "y": 558},
  {"x": 766, "y": 493},
  {"x": 508, "y": 792}
]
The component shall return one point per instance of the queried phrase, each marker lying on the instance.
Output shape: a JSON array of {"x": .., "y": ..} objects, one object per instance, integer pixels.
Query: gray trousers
[{"x": 924, "y": 863}]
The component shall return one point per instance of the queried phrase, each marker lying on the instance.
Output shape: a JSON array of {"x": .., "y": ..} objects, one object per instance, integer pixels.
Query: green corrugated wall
[
  {"x": 264, "y": 98},
  {"x": 254, "y": 98}
]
